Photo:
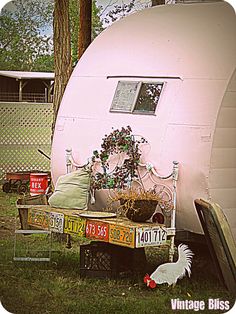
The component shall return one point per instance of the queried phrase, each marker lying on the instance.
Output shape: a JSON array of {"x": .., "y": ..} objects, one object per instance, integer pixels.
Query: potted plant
[{"x": 137, "y": 204}]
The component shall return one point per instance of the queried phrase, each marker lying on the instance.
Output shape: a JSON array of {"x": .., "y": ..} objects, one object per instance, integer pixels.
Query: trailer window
[{"x": 136, "y": 97}]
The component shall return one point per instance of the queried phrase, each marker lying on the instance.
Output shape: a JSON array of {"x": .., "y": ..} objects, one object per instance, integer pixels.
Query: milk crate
[{"x": 105, "y": 260}]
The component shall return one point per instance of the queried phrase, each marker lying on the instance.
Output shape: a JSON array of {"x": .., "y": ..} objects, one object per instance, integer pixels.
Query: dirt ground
[{"x": 7, "y": 227}]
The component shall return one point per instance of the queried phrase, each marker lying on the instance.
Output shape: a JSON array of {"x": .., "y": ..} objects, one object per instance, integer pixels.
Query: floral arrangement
[
  {"x": 118, "y": 141},
  {"x": 136, "y": 204}
]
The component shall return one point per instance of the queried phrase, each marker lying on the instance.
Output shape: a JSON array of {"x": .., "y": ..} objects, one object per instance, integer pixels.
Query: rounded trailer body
[{"x": 191, "y": 50}]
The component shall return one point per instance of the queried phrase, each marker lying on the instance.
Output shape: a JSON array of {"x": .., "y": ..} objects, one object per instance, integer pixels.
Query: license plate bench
[{"x": 119, "y": 231}]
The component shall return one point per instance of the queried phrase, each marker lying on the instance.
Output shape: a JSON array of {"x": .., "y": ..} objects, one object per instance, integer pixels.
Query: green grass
[
  {"x": 7, "y": 204},
  {"x": 56, "y": 287}
]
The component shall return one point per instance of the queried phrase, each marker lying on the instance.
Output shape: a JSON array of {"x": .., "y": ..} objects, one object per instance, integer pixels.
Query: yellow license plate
[
  {"x": 74, "y": 225},
  {"x": 38, "y": 218},
  {"x": 124, "y": 236}
]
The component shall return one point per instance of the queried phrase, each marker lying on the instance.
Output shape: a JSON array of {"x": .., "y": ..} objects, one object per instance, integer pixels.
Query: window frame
[{"x": 132, "y": 107}]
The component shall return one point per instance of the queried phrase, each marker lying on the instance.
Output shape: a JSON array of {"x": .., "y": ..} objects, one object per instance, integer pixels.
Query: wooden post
[
  {"x": 46, "y": 90},
  {"x": 50, "y": 91},
  {"x": 20, "y": 90},
  {"x": 85, "y": 26},
  {"x": 21, "y": 86}
]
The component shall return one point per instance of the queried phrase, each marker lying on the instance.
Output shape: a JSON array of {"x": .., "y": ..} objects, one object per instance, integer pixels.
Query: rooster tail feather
[{"x": 185, "y": 257}]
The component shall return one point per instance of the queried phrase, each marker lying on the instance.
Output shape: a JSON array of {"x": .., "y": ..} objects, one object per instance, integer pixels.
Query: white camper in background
[{"x": 188, "y": 53}]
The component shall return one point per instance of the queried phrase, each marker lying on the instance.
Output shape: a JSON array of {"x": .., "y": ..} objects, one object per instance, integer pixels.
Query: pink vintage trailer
[{"x": 183, "y": 58}]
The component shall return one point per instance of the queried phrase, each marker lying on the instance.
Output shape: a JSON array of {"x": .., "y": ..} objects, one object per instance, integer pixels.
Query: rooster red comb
[
  {"x": 146, "y": 278},
  {"x": 150, "y": 283}
]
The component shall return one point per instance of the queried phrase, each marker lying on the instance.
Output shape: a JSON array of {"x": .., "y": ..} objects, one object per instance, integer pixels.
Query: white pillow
[{"x": 71, "y": 190}]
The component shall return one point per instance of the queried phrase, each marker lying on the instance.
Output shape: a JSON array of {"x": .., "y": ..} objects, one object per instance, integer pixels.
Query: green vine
[{"x": 118, "y": 141}]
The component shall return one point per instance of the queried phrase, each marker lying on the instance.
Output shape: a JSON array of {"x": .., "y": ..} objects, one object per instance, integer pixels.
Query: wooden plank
[
  {"x": 220, "y": 242},
  {"x": 23, "y": 214},
  {"x": 40, "y": 207},
  {"x": 32, "y": 200}
]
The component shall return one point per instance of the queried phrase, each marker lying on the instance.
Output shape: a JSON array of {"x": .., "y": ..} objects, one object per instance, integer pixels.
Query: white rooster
[{"x": 170, "y": 272}]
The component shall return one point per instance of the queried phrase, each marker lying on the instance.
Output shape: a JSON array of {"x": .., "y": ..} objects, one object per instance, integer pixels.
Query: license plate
[
  {"x": 38, "y": 218},
  {"x": 150, "y": 236},
  {"x": 56, "y": 222},
  {"x": 97, "y": 230},
  {"x": 74, "y": 225},
  {"x": 121, "y": 235}
]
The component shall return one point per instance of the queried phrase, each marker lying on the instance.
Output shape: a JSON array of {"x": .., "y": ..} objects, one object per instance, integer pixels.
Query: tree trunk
[
  {"x": 62, "y": 52},
  {"x": 85, "y": 26},
  {"x": 157, "y": 2}
]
